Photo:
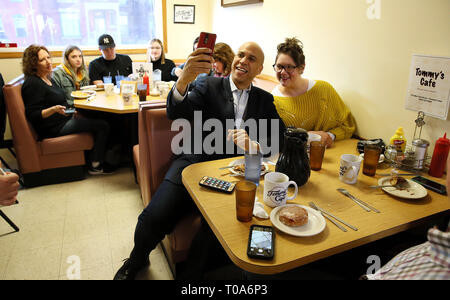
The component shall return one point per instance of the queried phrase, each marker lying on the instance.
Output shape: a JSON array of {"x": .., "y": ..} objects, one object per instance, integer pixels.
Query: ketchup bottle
[
  {"x": 439, "y": 158},
  {"x": 146, "y": 81}
]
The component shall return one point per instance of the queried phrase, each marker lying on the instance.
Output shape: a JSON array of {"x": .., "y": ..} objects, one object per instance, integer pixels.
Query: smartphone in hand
[
  {"x": 70, "y": 111},
  {"x": 207, "y": 40}
]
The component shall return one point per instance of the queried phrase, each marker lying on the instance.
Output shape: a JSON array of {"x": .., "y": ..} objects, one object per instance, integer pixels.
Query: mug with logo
[
  {"x": 349, "y": 168},
  {"x": 276, "y": 188}
]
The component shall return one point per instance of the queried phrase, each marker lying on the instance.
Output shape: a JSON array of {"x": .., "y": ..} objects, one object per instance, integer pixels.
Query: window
[
  {"x": 2, "y": 30},
  {"x": 80, "y": 22},
  {"x": 20, "y": 24}
]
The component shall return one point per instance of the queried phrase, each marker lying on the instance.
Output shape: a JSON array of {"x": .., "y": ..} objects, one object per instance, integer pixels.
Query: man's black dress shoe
[{"x": 128, "y": 271}]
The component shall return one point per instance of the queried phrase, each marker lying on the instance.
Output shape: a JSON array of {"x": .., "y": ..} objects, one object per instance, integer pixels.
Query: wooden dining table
[
  {"x": 396, "y": 214},
  {"x": 113, "y": 103}
]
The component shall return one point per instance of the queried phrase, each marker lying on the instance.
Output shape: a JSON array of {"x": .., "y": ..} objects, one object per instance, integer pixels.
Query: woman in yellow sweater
[{"x": 313, "y": 105}]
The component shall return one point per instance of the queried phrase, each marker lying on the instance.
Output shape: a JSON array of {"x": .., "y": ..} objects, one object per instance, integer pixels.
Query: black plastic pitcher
[{"x": 293, "y": 160}]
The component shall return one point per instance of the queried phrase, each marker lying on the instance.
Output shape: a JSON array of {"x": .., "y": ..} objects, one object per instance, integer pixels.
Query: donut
[{"x": 293, "y": 216}]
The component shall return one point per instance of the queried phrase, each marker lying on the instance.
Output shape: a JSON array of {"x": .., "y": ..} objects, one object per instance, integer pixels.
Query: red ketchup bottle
[
  {"x": 146, "y": 81},
  {"x": 439, "y": 158}
]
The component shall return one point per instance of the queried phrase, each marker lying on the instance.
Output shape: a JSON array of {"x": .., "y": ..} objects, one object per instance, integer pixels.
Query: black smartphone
[
  {"x": 430, "y": 184},
  {"x": 261, "y": 242},
  {"x": 70, "y": 111},
  {"x": 207, "y": 40}
]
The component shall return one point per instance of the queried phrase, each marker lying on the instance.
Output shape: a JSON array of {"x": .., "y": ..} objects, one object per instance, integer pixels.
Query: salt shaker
[{"x": 420, "y": 150}]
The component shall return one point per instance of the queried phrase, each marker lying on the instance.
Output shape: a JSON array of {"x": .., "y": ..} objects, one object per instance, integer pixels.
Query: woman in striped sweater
[{"x": 313, "y": 105}]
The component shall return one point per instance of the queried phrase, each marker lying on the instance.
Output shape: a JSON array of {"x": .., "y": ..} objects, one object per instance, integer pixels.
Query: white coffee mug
[
  {"x": 349, "y": 168},
  {"x": 276, "y": 187},
  {"x": 109, "y": 89}
]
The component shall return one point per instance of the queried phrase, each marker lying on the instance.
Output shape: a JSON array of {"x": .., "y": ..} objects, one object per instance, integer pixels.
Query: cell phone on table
[
  {"x": 430, "y": 184},
  {"x": 261, "y": 242},
  {"x": 207, "y": 40},
  {"x": 69, "y": 110}
]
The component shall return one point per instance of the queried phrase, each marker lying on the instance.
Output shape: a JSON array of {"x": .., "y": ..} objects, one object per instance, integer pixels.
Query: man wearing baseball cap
[{"x": 110, "y": 63}]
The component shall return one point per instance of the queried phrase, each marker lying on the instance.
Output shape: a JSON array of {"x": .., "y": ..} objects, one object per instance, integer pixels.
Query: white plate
[
  {"x": 240, "y": 162},
  {"x": 86, "y": 93},
  {"x": 415, "y": 190},
  {"x": 316, "y": 222}
]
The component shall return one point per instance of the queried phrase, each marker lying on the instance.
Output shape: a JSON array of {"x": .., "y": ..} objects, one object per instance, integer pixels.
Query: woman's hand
[
  {"x": 242, "y": 140},
  {"x": 326, "y": 138},
  {"x": 57, "y": 109}
]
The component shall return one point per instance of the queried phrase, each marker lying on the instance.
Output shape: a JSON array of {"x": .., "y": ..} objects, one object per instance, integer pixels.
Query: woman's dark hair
[
  {"x": 30, "y": 59},
  {"x": 224, "y": 54},
  {"x": 294, "y": 48}
]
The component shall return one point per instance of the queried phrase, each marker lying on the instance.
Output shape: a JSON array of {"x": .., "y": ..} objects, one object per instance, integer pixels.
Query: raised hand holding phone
[{"x": 200, "y": 61}]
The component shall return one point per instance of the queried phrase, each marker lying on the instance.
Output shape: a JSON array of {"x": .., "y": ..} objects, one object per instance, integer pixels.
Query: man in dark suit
[{"x": 233, "y": 103}]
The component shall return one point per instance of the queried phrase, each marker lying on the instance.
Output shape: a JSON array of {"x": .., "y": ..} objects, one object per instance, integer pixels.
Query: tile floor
[{"x": 84, "y": 226}]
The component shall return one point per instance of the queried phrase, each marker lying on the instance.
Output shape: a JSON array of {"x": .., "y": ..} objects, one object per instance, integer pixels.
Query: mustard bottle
[{"x": 398, "y": 140}]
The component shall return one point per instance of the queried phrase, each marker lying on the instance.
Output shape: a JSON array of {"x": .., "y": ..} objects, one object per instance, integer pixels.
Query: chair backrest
[
  {"x": 24, "y": 136},
  {"x": 2, "y": 110},
  {"x": 155, "y": 153}
]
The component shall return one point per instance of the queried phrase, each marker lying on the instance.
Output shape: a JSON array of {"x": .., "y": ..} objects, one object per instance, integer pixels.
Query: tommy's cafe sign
[{"x": 429, "y": 85}]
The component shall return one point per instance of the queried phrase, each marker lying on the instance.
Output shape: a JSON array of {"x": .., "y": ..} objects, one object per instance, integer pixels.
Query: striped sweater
[{"x": 319, "y": 109}]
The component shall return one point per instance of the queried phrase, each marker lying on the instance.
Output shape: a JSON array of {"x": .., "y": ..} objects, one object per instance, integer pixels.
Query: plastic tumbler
[
  {"x": 371, "y": 157},
  {"x": 107, "y": 79},
  {"x": 142, "y": 92},
  {"x": 245, "y": 200},
  {"x": 316, "y": 153}
]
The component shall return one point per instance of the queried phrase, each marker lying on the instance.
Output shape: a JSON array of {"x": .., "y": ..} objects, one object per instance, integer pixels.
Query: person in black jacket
[
  {"x": 110, "y": 63},
  {"x": 230, "y": 100},
  {"x": 45, "y": 106},
  {"x": 155, "y": 55}
]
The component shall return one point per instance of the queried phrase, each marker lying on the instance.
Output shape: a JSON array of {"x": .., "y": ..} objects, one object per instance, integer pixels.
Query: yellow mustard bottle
[{"x": 398, "y": 140}]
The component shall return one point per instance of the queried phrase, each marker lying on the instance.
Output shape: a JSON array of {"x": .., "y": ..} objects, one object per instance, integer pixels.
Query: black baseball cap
[{"x": 106, "y": 41}]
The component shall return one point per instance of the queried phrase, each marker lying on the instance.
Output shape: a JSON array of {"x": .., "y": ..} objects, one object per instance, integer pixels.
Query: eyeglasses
[{"x": 280, "y": 68}]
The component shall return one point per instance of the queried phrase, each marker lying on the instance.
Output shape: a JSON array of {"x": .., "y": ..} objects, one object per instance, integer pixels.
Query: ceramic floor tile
[
  {"x": 79, "y": 206},
  {"x": 3, "y": 262},
  {"x": 98, "y": 272},
  {"x": 44, "y": 209},
  {"x": 42, "y": 263},
  {"x": 124, "y": 201},
  {"x": 8, "y": 240},
  {"x": 86, "y": 226},
  {"x": 88, "y": 253},
  {"x": 38, "y": 235},
  {"x": 121, "y": 243},
  {"x": 122, "y": 220},
  {"x": 91, "y": 220}
]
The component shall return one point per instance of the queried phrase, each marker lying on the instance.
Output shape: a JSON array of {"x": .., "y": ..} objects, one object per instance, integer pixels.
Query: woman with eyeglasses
[{"x": 313, "y": 105}]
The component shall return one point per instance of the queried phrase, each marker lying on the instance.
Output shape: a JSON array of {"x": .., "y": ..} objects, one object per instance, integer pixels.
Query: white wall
[
  {"x": 181, "y": 36},
  {"x": 367, "y": 61}
]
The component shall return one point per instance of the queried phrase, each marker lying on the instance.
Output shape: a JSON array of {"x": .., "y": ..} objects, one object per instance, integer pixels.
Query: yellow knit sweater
[{"x": 319, "y": 109}]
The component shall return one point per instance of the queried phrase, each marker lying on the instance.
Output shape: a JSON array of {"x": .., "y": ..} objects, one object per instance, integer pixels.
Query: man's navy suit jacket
[{"x": 212, "y": 96}]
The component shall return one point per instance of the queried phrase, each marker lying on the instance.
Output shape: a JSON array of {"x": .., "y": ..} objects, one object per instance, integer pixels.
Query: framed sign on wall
[
  {"x": 184, "y": 14},
  {"x": 228, "y": 3}
]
